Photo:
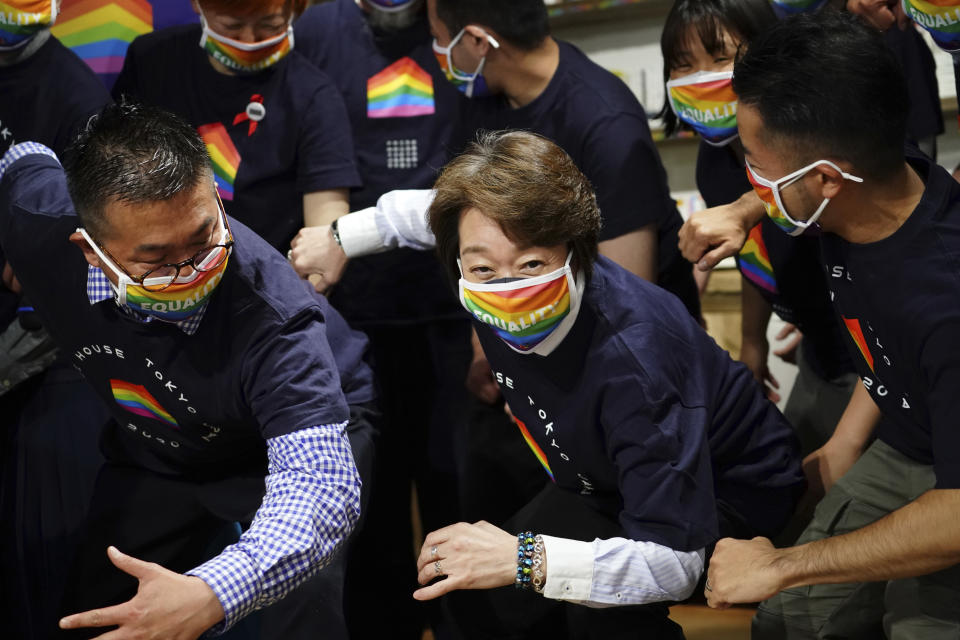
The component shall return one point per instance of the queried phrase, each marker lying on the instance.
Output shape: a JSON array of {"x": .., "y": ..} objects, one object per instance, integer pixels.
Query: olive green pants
[{"x": 924, "y": 608}]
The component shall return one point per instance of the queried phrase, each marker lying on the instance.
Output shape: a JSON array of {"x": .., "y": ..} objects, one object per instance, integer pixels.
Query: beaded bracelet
[{"x": 529, "y": 562}]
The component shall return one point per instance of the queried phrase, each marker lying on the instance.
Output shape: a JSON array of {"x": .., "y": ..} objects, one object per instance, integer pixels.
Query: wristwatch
[{"x": 336, "y": 233}]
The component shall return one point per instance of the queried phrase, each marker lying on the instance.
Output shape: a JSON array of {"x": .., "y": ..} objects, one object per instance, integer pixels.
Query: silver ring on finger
[
  {"x": 433, "y": 551},
  {"x": 706, "y": 585},
  {"x": 290, "y": 255},
  {"x": 438, "y": 568}
]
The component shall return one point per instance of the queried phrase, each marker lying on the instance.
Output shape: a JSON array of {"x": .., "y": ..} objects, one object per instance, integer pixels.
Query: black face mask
[{"x": 396, "y": 42}]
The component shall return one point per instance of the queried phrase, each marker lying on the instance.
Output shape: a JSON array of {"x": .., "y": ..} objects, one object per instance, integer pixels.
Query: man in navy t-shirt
[
  {"x": 881, "y": 554},
  {"x": 214, "y": 365}
]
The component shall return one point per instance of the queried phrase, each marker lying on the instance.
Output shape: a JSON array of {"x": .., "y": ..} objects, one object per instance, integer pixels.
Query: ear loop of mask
[
  {"x": 789, "y": 179},
  {"x": 448, "y": 52},
  {"x": 208, "y": 31}
]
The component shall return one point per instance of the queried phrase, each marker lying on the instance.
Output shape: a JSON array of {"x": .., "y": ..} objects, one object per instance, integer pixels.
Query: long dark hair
[{"x": 709, "y": 19}]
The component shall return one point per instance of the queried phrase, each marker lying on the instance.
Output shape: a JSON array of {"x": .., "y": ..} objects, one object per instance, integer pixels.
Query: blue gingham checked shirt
[{"x": 311, "y": 504}]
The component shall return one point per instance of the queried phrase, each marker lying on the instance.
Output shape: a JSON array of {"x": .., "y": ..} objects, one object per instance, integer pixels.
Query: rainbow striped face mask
[
  {"x": 20, "y": 20},
  {"x": 769, "y": 193},
  {"x": 941, "y": 19},
  {"x": 246, "y": 57},
  {"x": 786, "y": 8},
  {"x": 532, "y": 315},
  {"x": 705, "y": 100}
]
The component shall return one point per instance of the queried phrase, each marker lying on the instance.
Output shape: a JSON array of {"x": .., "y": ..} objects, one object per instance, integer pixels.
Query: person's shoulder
[
  {"x": 159, "y": 42},
  {"x": 589, "y": 83},
  {"x": 69, "y": 77},
  {"x": 629, "y": 305},
  {"x": 268, "y": 284}
]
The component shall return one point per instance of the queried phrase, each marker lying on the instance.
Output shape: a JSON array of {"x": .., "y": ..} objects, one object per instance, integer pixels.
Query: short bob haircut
[{"x": 529, "y": 186}]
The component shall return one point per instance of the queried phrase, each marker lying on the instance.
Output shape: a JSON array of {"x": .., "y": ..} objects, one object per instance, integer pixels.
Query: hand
[
  {"x": 743, "y": 571},
  {"x": 713, "y": 234},
  {"x": 471, "y": 556},
  {"x": 788, "y": 352},
  {"x": 10, "y": 279},
  {"x": 167, "y": 605},
  {"x": 315, "y": 252},
  {"x": 828, "y": 464},
  {"x": 753, "y": 353},
  {"x": 882, "y": 14}
]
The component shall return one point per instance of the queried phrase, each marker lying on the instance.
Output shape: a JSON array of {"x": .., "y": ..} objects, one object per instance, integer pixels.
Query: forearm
[
  {"x": 635, "y": 251},
  {"x": 749, "y": 209},
  {"x": 756, "y": 313},
  {"x": 311, "y": 504},
  {"x": 858, "y": 421},
  {"x": 398, "y": 220},
  {"x": 323, "y": 207},
  {"x": 919, "y": 538},
  {"x": 618, "y": 571}
]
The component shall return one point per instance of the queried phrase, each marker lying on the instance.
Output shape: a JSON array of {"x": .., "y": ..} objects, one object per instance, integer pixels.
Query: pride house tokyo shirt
[
  {"x": 402, "y": 110},
  {"x": 201, "y": 406},
  {"x": 785, "y": 270},
  {"x": 898, "y": 301},
  {"x": 272, "y": 136},
  {"x": 593, "y": 116},
  {"x": 643, "y": 415}
]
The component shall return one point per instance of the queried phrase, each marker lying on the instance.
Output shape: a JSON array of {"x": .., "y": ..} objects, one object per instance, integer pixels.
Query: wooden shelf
[{"x": 578, "y": 12}]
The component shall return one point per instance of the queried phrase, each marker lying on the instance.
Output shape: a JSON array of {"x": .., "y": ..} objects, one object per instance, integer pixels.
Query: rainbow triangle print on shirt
[
  {"x": 136, "y": 399},
  {"x": 99, "y": 31},
  {"x": 755, "y": 261},
  {"x": 853, "y": 326},
  {"x": 537, "y": 451},
  {"x": 223, "y": 155},
  {"x": 402, "y": 90}
]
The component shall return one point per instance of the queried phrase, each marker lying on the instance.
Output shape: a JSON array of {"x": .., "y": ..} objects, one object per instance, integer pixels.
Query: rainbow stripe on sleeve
[
  {"x": 402, "y": 90},
  {"x": 856, "y": 333},
  {"x": 755, "y": 261},
  {"x": 100, "y": 31},
  {"x": 136, "y": 399},
  {"x": 224, "y": 155},
  {"x": 535, "y": 448}
]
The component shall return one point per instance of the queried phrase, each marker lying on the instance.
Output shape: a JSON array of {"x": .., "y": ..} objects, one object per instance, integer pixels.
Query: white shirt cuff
[
  {"x": 358, "y": 233},
  {"x": 569, "y": 569}
]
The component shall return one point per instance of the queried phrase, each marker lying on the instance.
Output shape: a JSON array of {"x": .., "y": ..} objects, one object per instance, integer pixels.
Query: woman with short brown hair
[{"x": 655, "y": 441}]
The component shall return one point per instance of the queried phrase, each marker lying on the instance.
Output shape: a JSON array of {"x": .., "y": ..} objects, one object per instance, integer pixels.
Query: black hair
[
  {"x": 132, "y": 153},
  {"x": 708, "y": 19},
  {"x": 828, "y": 85},
  {"x": 522, "y": 23}
]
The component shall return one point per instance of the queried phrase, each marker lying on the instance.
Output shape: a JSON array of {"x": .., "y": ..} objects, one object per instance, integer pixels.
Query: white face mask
[{"x": 535, "y": 321}]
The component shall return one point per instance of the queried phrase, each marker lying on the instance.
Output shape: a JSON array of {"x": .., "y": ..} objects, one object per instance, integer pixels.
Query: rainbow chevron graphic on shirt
[
  {"x": 402, "y": 90},
  {"x": 223, "y": 154},
  {"x": 853, "y": 326},
  {"x": 136, "y": 399},
  {"x": 537, "y": 451},
  {"x": 755, "y": 261},
  {"x": 99, "y": 31},
  {"x": 941, "y": 18}
]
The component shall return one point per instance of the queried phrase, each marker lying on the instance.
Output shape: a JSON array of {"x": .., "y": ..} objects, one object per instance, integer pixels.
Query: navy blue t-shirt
[
  {"x": 401, "y": 111},
  {"x": 263, "y": 166},
  {"x": 593, "y": 116},
  {"x": 197, "y": 406},
  {"x": 647, "y": 418},
  {"x": 784, "y": 269},
  {"x": 898, "y": 300}
]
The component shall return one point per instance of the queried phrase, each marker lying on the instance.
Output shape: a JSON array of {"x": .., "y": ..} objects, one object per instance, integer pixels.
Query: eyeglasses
[{"x": 207, "y": 259}]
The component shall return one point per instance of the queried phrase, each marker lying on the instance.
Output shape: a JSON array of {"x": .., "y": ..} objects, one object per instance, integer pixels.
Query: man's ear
[
  {"x": 88, "y": 253},
  {"x": 829, "y": 181},
  {"x": 478, "y": 40}
]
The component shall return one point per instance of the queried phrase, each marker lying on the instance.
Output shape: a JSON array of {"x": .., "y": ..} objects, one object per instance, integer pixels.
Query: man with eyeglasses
[{"x": 209, "y": 352}]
